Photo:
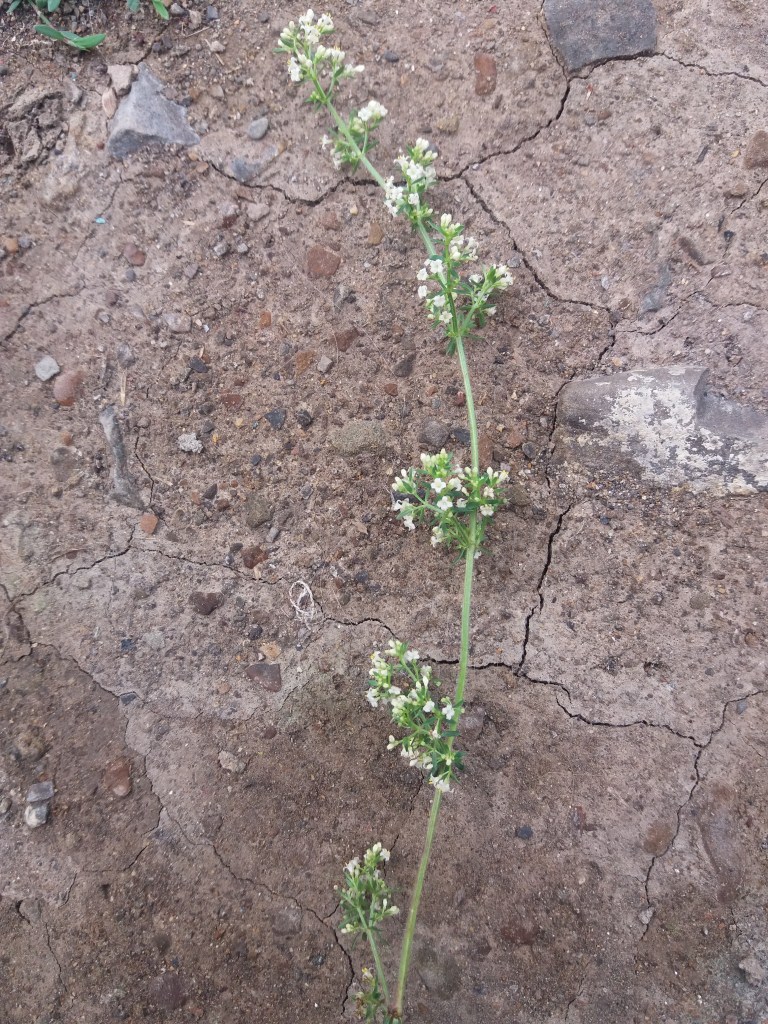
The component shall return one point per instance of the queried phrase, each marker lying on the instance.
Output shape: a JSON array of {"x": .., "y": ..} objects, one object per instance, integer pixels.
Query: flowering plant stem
[
  {"x": 466, "y": 610},
  {"x": 459, "y": 501}
]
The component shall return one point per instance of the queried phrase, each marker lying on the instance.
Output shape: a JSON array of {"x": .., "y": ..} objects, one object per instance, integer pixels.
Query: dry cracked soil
[{"x": 197, "y": 552}]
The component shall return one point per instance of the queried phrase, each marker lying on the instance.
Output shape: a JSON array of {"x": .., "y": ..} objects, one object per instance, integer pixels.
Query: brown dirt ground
[{"x": 604, "y": 860}]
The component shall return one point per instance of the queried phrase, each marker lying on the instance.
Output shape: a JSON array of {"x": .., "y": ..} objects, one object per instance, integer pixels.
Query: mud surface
[{"x": 197, "y": 554}]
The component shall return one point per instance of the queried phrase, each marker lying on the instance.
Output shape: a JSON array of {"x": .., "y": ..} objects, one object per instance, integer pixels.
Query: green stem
[
  {"x": 466, "y": 610},
  {"x": 379, "y": 966},
  {"x": 413, "y": 911}
]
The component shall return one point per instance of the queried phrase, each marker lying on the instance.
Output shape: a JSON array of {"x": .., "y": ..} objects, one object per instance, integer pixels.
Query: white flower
[
  {"x": 445, "y": 220},
  {"x": 461, "y": 503},
  {"x": 353, "y": 867},
  {"x": 325, "y": 23},
  {"x": 325, "y": 142},
  {"x": 448, "y": 710},
  {"x": 445, "y": 317},
  {"x": 408, "y": 523},
  {"x": 294, "y": 70},
  {"x": 421, "y": 147},
  {"x": 373, "y": 698},
  {"x": 412, "y": 656},
  {"x": 435, "y": 266},
  {"x": 441, "y": 784},
  {"x": 486, "y": 510},
  {"x": 384, "y": 854},
  {"x": 437, "y": 536},
  {"x": 475, "y": 278},
  {"x": 372, "y": 110},
  {"x": 439, "y": 301},
  {"x": 422, "y": 291},
  {"x": 422, "y": 274},
  {"x": 445, "y": 503},
  {"x": 429, "y": 706},
  {"x": 488, "y": 492},
  {"x": 491, "y": 310},
  {"x": 413, "y": 198},
  {"x": 438, "y": 485}
]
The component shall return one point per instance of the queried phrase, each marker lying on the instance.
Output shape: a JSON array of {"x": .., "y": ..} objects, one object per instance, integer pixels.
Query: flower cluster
[
  {"x": 366, "y": 899},
  {"x": 419, "y": 174},
  {"x": 429, "y": 721},
  {"x": 348, "y": 148},
  {"x": 310, "y": 60},
  {"x": 455, "y": 303},
  {"x": 444, "y": 494}
]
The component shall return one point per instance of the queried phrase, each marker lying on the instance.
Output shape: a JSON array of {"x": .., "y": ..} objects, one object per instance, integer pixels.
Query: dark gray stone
[
  {"x": 663, "y": 422},
  {"x": 145, "y": 117},
  {"x": 586, "y": 32},
  {"x": 433, "y": 434},
  {"x": 40, "y": 792},
  {"x": 258, "y": 510}
]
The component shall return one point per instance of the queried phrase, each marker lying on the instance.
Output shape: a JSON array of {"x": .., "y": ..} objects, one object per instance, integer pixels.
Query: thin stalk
[
  {"x": 413, "y": 911},
  {"x": 379, "y": 966},
  {"x": 466, "y": 610}
]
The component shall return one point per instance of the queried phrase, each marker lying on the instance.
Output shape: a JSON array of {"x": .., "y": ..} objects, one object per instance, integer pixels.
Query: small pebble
[
  {"x": 276, "y": 418},
  {"x": 177, "y": 323},
  {"x": 204, "y": 604},
  {"x": 46, "y": 368},
  {"x": 258, "y": 129},
  {"x": 40, "y": 792},
  {"x": 36, "y": 815},
  {"x": 230, "y": 763},
  {"x": 125, "y": 356},
  {"x": 391, "y": 57},
  {"x": 189, "y": 443},
  {"x": 324, "y": 364},
  {"x": 117, "y": 777},
  {"x": 524, "y": 832},
  {"x": 198, "y": 365},
  {"x": 66, "y": 387},
  {"x": 148, "y": 523}
]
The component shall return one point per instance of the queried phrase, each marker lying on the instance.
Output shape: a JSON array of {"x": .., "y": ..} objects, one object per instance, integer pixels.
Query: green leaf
[
  {"x": 133, "y": 6},
  {"x": 13, "y": 5},
  {"x": 52, "y": 5},
  {"x": 160, "y": 9},
  {"x": 78, "y": 42}
]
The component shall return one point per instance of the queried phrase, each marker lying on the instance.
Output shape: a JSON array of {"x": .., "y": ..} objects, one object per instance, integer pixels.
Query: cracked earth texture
[{"x": 604, "y": 859}]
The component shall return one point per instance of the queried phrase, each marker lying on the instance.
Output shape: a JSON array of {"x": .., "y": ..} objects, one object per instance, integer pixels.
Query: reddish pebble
[
  {"x": 322, "y": 262},
  {"x": 66, "y": 387},
  {"x": 117, "y": 777},
  {"x": 459, "y": 398},
  {"x": 231, "y": 400},
  {"x": 391, "y": 389},
  {"x": 148, "y": 523},
  {"x": 66, "y": 438},
  {"x": 485, "y": 74},
  {"x": 134, "y": 255},
  {"x": 343, "y": 339},
  {"x": 253, "y": 556},
  {"x": 265, "y": 319},
  {"x": 304, "y": 360}
]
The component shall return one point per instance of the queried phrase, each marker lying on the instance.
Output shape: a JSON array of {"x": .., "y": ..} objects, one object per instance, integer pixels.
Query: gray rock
[
  {"x": 433, "y": 434},
  {"x": 324, "y": 364},
  {"x": 177, "y": 323},
  {"x": 125, "y": 356},
  {"x": 124, "y": 489},
  {"x": 247, "y": 171},
  {"x": 359, "y": 437},
  {"x": 258, "y": 510},
  {"x": 663, "y": 423},
  {"x": 121, "y": 76},
  {"x": 589, "y": 31},
  {"x": 40, "y": 792},
  {"x": 258, "y": 129},
  {"x": 46, "y": 368},
  {"x": 654, "y": 299},
  {"x": 231, "y": 763},
  {"x": 145, "y": 117},
  {"x": 190, "y": 443},
  {"x": 36, "y": 815}
]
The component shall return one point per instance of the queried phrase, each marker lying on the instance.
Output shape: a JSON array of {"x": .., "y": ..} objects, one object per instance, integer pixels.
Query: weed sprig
[{"x": 455, "y": 502}]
